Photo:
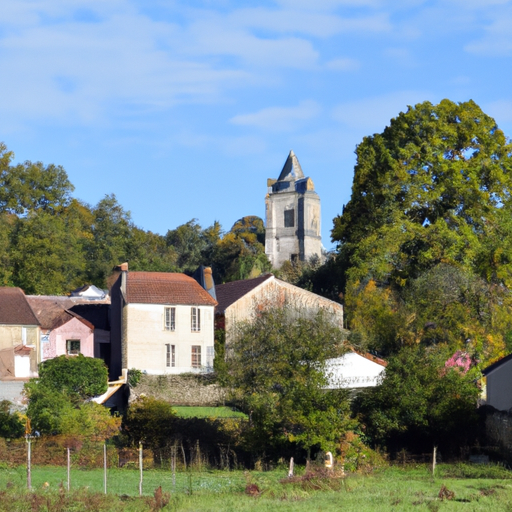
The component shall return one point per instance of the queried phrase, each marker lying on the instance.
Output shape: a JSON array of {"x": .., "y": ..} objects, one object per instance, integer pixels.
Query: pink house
[{"x": 62, "y": 331}]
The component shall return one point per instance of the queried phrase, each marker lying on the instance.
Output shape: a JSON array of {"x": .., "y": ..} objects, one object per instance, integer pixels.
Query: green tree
[
  {"x": 150, "y": 421},
  {"x": 433, "y": 191},
  {"x": 58, "y": 398},
  {"x": 277, "y": 371},
  {"x": 31, "y": 186},
  {"x": 250, "y": 224},
  {"x": 189, "y": 243},
  {"x": 11, "y": 424},
  {"x": 47, "y": 253},
  {"x": 424, "y": 192},
  {"x": 112, "y": 229},
  {"x": 79, "y": 377},
  {"x": 421, "y": 402}
]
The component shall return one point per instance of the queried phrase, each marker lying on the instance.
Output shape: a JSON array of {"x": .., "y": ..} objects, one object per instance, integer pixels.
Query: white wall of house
[
  {"x": 499, "y": 387},
  {"x": 147, "y": 339},
  {"x": 353, "y": 370}
]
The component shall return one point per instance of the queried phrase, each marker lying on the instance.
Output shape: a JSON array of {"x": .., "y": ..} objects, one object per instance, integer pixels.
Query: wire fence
[{"x": 65, "y": 463}]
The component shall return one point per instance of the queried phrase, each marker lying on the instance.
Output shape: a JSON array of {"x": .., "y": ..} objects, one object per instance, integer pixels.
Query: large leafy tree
[
  {"x": 31, "y": 186},
  {"x": 422, "y": 402},
  {"x": 277, "y": 371},
  {"x": 434, "y": 188},
  {"x": 426, "y": 190},
  {"x": 58, "y": 399}
]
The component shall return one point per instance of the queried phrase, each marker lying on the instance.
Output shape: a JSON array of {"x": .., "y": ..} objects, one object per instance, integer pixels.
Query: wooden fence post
[
  {"x": 105, "y": 466},
  {"x": 140, "y": 466},
  {"x": 69, "y": 467}
]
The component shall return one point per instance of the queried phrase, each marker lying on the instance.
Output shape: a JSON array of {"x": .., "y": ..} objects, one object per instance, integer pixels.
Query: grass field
[
  {"x": 391, "y": 489},
  {"x": 208, "y": 412}
]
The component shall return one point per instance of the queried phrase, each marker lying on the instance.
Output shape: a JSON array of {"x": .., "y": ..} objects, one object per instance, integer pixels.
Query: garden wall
[{"x": 185, "y": 389}]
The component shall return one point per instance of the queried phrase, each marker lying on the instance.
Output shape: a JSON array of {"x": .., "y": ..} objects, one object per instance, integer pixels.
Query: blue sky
[{"x": 183, "y": 109}]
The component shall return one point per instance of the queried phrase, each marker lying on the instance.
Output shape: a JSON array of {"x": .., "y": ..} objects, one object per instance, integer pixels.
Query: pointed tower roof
[{"x": 291, "y": 169}]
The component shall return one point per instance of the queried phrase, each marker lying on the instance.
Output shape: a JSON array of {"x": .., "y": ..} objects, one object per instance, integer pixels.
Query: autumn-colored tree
[{"x": 428, "y": 221}]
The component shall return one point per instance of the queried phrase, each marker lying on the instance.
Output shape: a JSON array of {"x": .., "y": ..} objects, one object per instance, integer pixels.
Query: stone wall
[{"x": 184, "y": 389}]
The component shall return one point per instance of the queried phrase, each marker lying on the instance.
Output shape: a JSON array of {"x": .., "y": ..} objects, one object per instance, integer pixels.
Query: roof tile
[
  {"x": 229, "y": 293},
  {"x": 166, "y": 288},
  {"x": 14, "y": 308}
]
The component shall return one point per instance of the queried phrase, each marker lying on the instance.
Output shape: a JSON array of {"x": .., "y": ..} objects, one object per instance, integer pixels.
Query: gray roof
[{"x": 292, "y": 170}]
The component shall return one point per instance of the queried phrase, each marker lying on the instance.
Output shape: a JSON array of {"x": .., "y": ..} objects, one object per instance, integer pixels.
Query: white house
[
  {"x": 499, "y": 384},
  {"x": 355, "y": 370},
  {"x": 162, "y": 323}
]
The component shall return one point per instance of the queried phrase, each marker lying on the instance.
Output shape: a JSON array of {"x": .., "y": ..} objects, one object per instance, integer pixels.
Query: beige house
[
  {"x": 239, "y": 300},
  {"x": 19, "y": 336},
  {"x": 162, "y": 323}
]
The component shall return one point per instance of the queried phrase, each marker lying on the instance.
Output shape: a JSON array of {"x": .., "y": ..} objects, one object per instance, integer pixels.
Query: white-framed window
[
  {"x": 196, "y": 356},
  {"x": 72, "y": 347},
  {"x": 24, "y": 335},
  {"x": 195, "y": 319},
  {"x": 170, "y": 355},
  {"x": 170, "y": 319},
  {"x": 210, "y": 355}
]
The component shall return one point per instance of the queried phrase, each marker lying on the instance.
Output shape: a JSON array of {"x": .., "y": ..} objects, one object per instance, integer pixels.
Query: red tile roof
[
  {"x": 165, "y": 288},
  {"x": 14, "y": 308},
  {"x": 229, "y": 293}
]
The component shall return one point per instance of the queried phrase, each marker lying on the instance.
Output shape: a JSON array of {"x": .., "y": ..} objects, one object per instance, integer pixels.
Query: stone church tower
[{"x": 292, "y": 216}]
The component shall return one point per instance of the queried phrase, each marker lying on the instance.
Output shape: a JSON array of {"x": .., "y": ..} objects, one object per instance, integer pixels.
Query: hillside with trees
[
  {"x": 51, "y": 242},
  {"x": 423, "y": 252}
]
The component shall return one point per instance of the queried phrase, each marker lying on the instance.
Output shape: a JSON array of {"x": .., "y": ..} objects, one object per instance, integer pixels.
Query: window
[
  {"x": 72, "y": 347},
  {"x": 196, "y": 356},
  {"x": 170, "y": 356},
  {"x": 195, "y": 319},
  {"x": 170, "y": 319},
  {"x": 289, "y": 218},
  {"x": 210, "y": 355}
]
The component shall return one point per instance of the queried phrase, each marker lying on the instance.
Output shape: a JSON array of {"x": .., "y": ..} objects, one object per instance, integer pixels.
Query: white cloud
[
  {"x": 325, "y": 5},
  {"x": 371, "y": 115},
  {"x": 497, "y": 40},
  {"x": 343, "y": 64},
  {"x": 311, "y": 23},
  {"x": 279, "y": 118}
]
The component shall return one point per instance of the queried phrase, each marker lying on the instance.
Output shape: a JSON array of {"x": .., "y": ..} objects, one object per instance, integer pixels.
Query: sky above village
[{"x": 183, "y": 109}]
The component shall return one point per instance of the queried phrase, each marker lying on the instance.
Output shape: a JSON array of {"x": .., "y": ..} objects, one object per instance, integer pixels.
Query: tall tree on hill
[
  {"x": 434, "y": 188},
  {"x": 31, "y": 186}
]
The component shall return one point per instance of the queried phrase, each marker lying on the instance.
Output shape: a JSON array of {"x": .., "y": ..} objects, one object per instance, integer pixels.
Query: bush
[{"x": 10, "y": 422}]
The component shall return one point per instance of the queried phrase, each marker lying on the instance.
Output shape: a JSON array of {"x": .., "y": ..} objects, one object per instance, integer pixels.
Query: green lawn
[
  {"x": 208, "y": 412},
  {"x": 391, "y": 489}
]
